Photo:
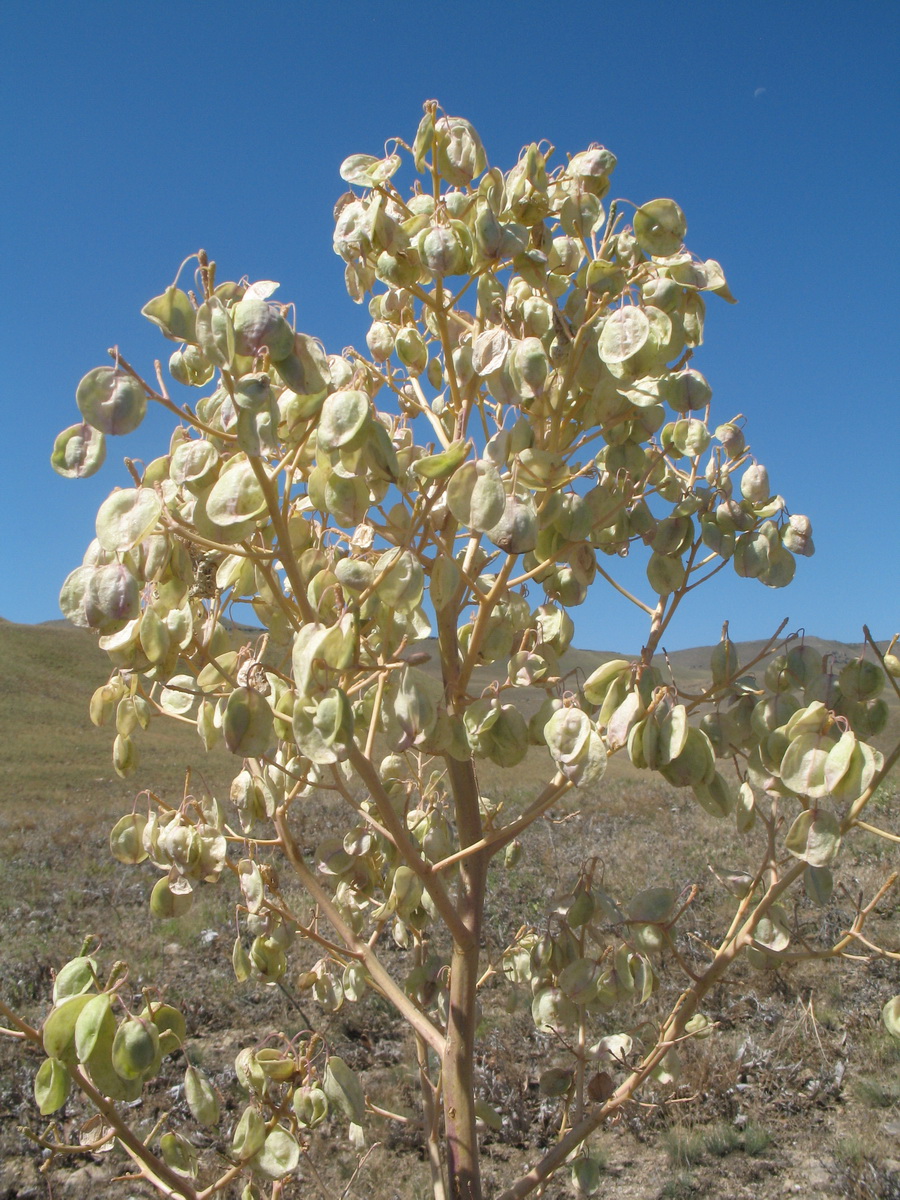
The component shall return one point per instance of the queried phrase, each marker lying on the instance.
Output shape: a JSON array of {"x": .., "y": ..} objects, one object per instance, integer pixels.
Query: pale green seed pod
[
  {"x": 755, "y": 484},
  {"x": 135, "y": 1050},
  {"x": 52, "y": 1085}
]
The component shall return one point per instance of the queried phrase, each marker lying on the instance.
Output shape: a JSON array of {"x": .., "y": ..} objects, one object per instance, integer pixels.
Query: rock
[{"x": 84, "y": 1181}]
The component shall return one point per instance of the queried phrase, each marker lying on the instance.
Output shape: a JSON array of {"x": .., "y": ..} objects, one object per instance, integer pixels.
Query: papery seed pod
[
  {"x": 79, "y": 975},
  {"x": 259, "y": 326},
  {"x": 95, "y": 1021},
  {"x": 343, "y": 1090},
  {"x": 411, "y": 350},
  {"x": 556, "y": 1081},
  {"x": 215, "y": 332},
  {"x": 279, "y": 1156},
  {"x": 78, "y": 452},
  {"x": 170, "y": 1025},
  {"x": 166, "y": 904},
  {"x": 58, "y": 1031},
  {"x": 247, "y": 723},
  {"x": 552, "y": 1011},
  {"x": 267, "y": 959},
  {"x": 861, "y": 680},
  {"x": 179, "y": 1154},
  {"x": 173, "y": 313},
  {"x": 380, "y": 340},
  {"x": 111, "y": 401},
  {"x": 52, "y": 1085},
  {"x": 249, "y": 1135},
  {"x": 190, "y": 367},
  {"x": 755, "y": 484},
  {"x": 135, "y": 1050},
  {"x": 310, "y": 1106},
  {"x": 517, "y": 530},
  {"x": 724, "y": 662}
]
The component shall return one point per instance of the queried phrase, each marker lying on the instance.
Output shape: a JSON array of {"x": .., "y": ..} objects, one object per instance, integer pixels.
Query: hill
[{"x": 50, "y": 749}]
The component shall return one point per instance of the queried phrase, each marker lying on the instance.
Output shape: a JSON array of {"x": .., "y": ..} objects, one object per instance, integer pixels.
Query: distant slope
[{"x": 49, "y": 747}]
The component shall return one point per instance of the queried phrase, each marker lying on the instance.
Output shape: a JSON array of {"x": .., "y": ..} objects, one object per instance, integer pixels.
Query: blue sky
[{"x": 134, "y": 134}]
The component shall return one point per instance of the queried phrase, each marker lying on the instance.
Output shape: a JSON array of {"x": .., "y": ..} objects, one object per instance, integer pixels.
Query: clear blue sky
[{"x": 133, "y": 134}]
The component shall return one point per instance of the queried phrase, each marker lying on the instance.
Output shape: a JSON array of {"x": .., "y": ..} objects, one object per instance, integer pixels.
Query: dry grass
[{"x": 800, "y": 1064}]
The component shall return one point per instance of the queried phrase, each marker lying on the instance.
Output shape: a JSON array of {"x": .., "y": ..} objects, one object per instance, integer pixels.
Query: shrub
[{"x": 532, "y": 348}]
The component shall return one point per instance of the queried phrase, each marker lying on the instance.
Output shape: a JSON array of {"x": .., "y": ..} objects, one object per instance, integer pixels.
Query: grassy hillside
[{"x": 50, "y": 749}]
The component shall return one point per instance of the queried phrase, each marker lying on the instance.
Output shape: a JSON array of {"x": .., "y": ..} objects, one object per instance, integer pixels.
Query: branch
[{"x": 381, "y": 980}]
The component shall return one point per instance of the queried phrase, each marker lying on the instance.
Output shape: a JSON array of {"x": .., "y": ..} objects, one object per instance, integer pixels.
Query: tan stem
[{"x": 381, "y": 980}]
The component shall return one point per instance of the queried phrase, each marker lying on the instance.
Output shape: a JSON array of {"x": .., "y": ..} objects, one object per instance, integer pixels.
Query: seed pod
[
  {"x": 247, "y": 723},
  {"x": 380, "y": 340},
  {"x": 343, "y": 1090},
  {"x": 179, "y": 1154},
  {"x": 201, "y": 1098},
  {"x": 696, "y": 764},
  {"x": 166, "y": 904},
  {"x": 170, "y": 1025},
  {"x": 249, "y": 1135},
  {"x": 279, "y": 1156},
  {"x": 724, "y": 662},
  {"x": 77, "y": 976},
  {"x": 215, "y": 332},
  {"x": 310, "y": 1106},
  {"x": 52, "y": 1085},
  {"x": 755, "y": 484},
  {"x": 552, "y": 1011},
  {"x": 267, "y": 959},
  {"x": 476, "y": 496},
  {"x": 58, "y": 1032},
  {"x": 517, "y": 530},
  {"x": 111, "y": 401},
  {"x": 173, "y": 313},
  {"x": 660, "y": 227},
  {"x": 78, "y": 452},
  {"x": 259, "y": 326},
  {"x": 411, "y": 350},
  {"x": 861, "y": 680},
  {"x": 95, "y": 1022},
  {"x": 135, "y": 1049}
]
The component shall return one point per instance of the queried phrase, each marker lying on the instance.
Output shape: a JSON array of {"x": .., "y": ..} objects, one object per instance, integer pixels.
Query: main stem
[
  {"x": 458, "y": 1060},
  {"x": 458, "y": 1066}
]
